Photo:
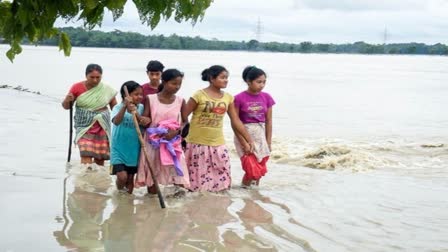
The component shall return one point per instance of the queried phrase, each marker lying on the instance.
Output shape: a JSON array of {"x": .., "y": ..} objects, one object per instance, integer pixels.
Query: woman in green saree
[{"x": 92, "y": 116}]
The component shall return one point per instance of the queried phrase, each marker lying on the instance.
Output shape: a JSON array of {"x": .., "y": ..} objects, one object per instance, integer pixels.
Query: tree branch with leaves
[{"x": 35, "y": 19}]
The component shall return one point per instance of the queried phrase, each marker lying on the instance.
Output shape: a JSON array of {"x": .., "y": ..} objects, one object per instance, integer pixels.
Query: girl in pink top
[
  {"x": 164, "y": 108},
  {"x": 254, "y": 108}
]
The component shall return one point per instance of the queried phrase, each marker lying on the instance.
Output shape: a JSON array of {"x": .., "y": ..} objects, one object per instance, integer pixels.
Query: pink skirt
[
  {"x": 165, "y": 174},
  {"x": 208, "y": 167}
]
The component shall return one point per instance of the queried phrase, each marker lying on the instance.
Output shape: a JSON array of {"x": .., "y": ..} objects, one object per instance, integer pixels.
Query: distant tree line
[{"x": 118, "y": 39}]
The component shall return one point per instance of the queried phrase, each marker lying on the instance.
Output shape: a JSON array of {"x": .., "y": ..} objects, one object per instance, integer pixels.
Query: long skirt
[
  {"x": 165, "y": 174},
  {"x": 208, "y": 167},
  {"x": 94, "y": 143}
]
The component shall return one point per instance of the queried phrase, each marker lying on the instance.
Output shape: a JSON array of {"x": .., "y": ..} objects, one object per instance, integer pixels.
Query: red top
[
  {"x": 147, "y": 90},
  {"x": 78, "y": 88}
]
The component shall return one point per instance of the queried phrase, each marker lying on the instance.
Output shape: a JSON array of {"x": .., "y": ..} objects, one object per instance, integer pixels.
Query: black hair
[
  {"x": 168, "y": 75},
  {"x": 93, "y": 67},
  {"x": 154, "y": 66},
  {"x": 131, "y": 86},
  {"x": 212, "y": 72},
  {"x": 251, "y": 73}
]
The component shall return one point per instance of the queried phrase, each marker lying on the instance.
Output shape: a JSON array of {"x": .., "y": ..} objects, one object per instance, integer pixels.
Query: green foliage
[
  {"x": 84, "y": 38},
  {"x": 306, "y": 46},
  {"x": 64, "y": 43},
  {"x": 253, "y": 45},
  {"x": 34, "y": 20}
]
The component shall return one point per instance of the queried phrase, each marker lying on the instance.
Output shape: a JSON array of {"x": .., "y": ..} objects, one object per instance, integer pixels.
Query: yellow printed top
[{"x": 206, "y": 123}]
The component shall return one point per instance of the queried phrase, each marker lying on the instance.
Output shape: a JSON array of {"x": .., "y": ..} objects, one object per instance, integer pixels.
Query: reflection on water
[
  {"x": 95, "y": 220},
  {"x": 85, "y": 215}
]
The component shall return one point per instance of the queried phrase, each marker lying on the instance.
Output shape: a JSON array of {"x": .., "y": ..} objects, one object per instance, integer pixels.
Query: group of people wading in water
[{"x": 188, "y": 154}]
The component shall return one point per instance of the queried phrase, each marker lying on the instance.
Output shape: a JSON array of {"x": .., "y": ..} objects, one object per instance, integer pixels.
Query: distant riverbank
[{"x": 119, "y": 39}]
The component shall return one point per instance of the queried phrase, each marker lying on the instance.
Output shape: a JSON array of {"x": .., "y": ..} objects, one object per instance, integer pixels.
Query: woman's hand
[
  {"x": 248, "y": 147},
  {"x": 70, "y": 97},
  {"x": 68, "y": 101},
  {"x": 171, "y": 134},
  {"x": 131, "y": 108},
  {"x": 144, "y": 121},
  {"x": 129, "y": 105},
  {"x": 252, "y": 147}
]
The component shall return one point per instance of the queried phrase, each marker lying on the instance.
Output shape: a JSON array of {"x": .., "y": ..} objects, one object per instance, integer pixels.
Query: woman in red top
[{"x": 92, "y": 117}]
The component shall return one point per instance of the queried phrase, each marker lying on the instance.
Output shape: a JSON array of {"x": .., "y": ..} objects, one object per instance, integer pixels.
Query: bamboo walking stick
[
  {"x": 142, "y": 143},
  {"x": 70, "y": 134}
]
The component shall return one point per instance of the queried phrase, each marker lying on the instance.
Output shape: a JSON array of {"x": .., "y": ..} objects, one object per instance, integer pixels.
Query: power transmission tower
[
  {"x": 258, "y": 30},
  {"x": 385, "y": 36}
]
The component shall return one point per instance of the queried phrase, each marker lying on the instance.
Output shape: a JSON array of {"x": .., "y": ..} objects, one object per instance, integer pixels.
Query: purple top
[{"x": 253, "y": 107}]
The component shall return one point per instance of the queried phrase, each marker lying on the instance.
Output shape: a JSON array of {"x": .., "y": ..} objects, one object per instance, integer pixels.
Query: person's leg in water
[
  {"x": 246, "y": 182},
  {"x": 152, "y": 189},
  {"x": 87, "y": 162},
  {"x": 122, "y": 178},
  {"x": 99, "y": 161},
  {"x": 130, "y": 183}
]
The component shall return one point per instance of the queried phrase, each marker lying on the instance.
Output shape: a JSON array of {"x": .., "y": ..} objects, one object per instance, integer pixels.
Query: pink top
[
  {"x": 166, "y": 174},
  {"x": 161, "y": 112}
]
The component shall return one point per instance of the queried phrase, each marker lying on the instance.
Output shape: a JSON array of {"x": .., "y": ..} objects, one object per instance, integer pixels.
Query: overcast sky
[{"x": 328, "y": 21}]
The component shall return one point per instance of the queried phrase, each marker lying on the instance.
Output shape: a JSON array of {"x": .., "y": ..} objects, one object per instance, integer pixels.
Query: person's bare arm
[
  {"x": 112, "y": 103},
  {"x": 118, "y": 118},
  {"x": 239, "y": 129},
  {"x": 268, "y": 125},
  {"x": 240, "y": 138},
  {"x": 189, "y": 107}
]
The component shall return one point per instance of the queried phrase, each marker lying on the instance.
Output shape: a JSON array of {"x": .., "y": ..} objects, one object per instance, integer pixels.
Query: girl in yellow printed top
[{"x": 206, "y": 155}]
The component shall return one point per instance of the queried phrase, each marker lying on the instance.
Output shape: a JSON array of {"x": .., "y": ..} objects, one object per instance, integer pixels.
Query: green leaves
[
  {"x": 34, "y": 20},
  {"x": 64, "y": 43},
  {"x": 13, "y": 51},
  {"x": 152, "y": 11}
]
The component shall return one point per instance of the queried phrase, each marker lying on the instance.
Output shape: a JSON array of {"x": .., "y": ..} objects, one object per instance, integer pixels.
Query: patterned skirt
[
  {"x": 257, "y": 132},
  {"x": 208, "y": 167},
  {"x": 94, "y": 143},
  {"x": 254, "y": 164}
]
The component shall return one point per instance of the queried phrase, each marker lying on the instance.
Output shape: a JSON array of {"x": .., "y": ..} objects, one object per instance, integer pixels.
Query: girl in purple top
[{"x": 254, "y": 108}]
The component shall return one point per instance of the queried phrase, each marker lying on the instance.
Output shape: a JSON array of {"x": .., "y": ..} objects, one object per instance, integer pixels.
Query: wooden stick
[
  {"x": 142, "y": 143},
  {"x": 70, "y": 134}
]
